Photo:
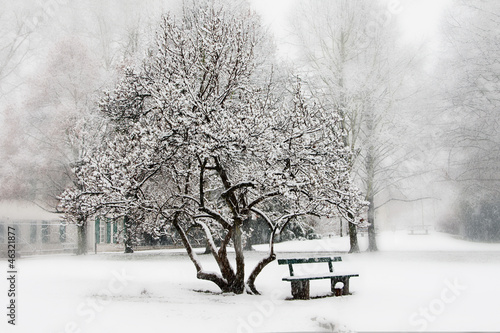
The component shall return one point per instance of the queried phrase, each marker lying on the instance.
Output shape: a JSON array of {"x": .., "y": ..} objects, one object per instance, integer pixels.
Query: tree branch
[
  {"x": 262, "y": 263},
  {"x": 264, "y": 216},
  {"x": 403, "y": 200},
  {"x": 216, "y": 216},
  {"x": 235, "y": 187},
  {"x": 262, "y": 198},
  {"x": 201, "y": 274}
]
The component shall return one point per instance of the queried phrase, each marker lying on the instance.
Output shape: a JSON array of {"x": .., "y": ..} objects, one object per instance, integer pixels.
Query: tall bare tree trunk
[
  {"x": 370, "y": 181},
  {"x": 372, "y": 240}
]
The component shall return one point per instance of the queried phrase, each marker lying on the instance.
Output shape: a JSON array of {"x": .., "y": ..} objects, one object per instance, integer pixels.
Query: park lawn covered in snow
[{"x": 413, "y": 284}]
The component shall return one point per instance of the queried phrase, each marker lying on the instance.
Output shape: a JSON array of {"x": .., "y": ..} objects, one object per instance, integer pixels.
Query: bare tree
[
  {"x": 14, "y": 49},
  {"x": 41, "y": 142},
  {"x": 473, "y": 93},
  {"x": 472, "y": 97},
  {"x": 357, "y": 71},
  {"x": 44, "y": 134}
]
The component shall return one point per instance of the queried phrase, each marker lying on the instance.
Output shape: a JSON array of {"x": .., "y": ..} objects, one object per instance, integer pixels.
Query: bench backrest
[{"x": 291, "y": 262}]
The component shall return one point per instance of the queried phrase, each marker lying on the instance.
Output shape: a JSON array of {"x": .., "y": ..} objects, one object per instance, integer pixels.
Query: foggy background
[{"x": 417, "y": 80}]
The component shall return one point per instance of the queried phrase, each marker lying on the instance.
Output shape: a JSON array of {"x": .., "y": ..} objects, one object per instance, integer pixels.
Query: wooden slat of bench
[
  {"x": 307, "y": 260},
  {"x": 319, "y": 277},
  {"x": 291, "y": 262}
]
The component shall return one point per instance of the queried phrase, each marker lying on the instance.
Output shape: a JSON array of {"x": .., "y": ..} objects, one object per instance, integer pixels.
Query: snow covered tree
[{"x": 203, "y": 134}]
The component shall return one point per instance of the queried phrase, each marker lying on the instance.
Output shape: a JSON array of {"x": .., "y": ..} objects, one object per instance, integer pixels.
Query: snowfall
[{"x": 414, "y": 283}]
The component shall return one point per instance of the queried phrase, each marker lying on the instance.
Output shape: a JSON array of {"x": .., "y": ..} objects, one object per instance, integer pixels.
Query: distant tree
[
  {"x": 14, "y": 49},
  {"x": 202, "y": 135},
  {"x": 349, "y": 50},
  {"x": 44, "y": 135},
  {"x": 472, "y": 96}
]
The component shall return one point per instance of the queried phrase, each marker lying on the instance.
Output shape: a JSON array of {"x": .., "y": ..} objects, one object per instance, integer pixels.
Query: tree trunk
[
  {"x": 200, "y": 273},
  {"x": 221, "y": 257},
  {"x": 370, "y": 188},
  {"x": 208, "y": 250},
  {"x": 372, "y": 241},
  {"x": 82, "y": 238},
  {"x": 238, "y": 285},
  {"x": 263, "y": 263},
  {"x": 353, "y": 238},
  {"x": 128, "y": 235},
  {"x": 128, "y": 247},
  {"x": 260, "y": 266}
]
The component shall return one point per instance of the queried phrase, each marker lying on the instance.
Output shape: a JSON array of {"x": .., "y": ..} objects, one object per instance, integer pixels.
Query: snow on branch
[
  {"x": 203, "y": 113},
  {"x": 262, "y": 198},
  {"x": 216, "y": 216},
  {"x": 264, "y": 216},
  {"x": 236, "y": 187}
]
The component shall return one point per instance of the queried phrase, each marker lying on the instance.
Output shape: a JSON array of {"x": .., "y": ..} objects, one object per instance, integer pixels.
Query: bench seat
[
  {"x": 319, "y": 277},
  {"x": 300, "y": 283}
]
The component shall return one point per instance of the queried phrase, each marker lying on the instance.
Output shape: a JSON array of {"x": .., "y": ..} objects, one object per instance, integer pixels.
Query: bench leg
[
  {"x": 345, "y": 281},
  {"x": 345, "y": 290},
  {"x": 300, "y": 289}
]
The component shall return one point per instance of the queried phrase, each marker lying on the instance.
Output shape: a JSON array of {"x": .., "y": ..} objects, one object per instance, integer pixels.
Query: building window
[
  {"x": 45, "y": 232},
  {"x": 102, "y": 233},
  {"x": 108, "y": 231},
  {"x": 62, "y": 233},
  {"x": 97, "y": 230},
  {"x": 115, "y": 231},
  {"x": 33, "y": 232}
]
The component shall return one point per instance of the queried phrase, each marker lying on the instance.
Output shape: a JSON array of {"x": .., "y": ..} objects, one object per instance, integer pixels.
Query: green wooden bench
[
  {"x": 300, "y": 284},
  {"x": 419, "y": 229}
]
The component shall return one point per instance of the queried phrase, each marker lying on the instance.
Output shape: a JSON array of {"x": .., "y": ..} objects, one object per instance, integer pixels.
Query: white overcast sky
[{"x": 420, "y": 19}]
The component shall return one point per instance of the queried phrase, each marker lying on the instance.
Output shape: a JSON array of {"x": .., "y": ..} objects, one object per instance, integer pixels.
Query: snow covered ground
[
  {"x": 387, "y": 241},
  {"x": 415, "y": 283}
]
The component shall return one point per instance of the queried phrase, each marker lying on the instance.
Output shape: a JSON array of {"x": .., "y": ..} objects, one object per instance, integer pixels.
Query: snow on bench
[{"x": 300, "y": 283}]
